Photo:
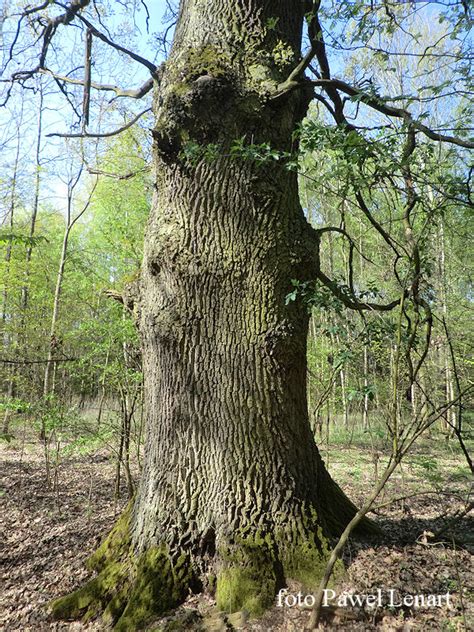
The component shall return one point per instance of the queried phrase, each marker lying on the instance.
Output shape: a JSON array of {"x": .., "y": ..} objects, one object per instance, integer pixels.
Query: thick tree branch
[
  {"x": 347, "y": 298},
  {"x": 314, "y": 36},
  {"x": 52, "y": 24},
  {"x": 351, "y": 301},
  {"x": 125, "y": 298},
  {"x": 332, "y": 87}
]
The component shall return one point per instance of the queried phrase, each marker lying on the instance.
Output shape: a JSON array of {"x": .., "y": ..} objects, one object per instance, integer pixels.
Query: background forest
[{"x": 73, "y": 214}]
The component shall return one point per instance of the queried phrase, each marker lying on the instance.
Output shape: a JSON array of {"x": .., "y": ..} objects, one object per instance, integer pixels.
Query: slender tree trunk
[
  {"x": 35, "y": 205},
  {"x": 49, "y": 381},
  {"x": 10, "y": 396},
  {"x": 53, "y": 342},
  {"x": 29, "y": 250},
  {"x": 233, "y": 485},
  {"x": 118, "y": 465},
  {"x": 10, "y": 219},
  {"x": 129, "y": 398},
  {"x": 449, "y": 381},
  {"x": 345, "y": 408},
  {"x": 365, "y": 411},
  {"x": 7, "y": 337},
  {"x": 102, "y": 390}
]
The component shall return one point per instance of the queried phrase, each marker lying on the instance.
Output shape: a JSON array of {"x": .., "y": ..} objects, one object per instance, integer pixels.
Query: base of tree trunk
[
  {"x": 245, "y": 573},
  {"x": 128, "y": 589}
]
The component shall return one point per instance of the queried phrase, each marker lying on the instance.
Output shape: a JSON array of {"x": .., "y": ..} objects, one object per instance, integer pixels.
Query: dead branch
[
  {"x": 119, "y": 92},
  {"x": 103, "y": 134}
]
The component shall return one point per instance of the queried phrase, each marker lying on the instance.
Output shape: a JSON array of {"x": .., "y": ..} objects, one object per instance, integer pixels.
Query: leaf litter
[{"x": 49, "y": 531}]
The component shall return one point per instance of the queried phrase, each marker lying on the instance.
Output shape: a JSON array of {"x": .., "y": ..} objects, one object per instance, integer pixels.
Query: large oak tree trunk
[{"x": 233, "y": 486}]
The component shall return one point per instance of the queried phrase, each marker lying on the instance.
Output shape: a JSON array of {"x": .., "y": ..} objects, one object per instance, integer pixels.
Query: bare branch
[
  {"x": 9, "y": 361},
  {"x": 104, "y": 134},
  {"x": 65, "y": 18},
  {"x": 141, "y": 60},
  {"x": 50, "y": 25},
  {"x": 117, "y": 176},
  {"x": 87, "y": 80},
  {"x": 377, "y": 103},
  {"x": 119, "y": 92},
  {"x": 72, "y": 10}
]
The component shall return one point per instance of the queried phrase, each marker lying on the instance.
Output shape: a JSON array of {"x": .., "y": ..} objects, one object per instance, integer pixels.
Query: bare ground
[{"x": 48, "y": 531}]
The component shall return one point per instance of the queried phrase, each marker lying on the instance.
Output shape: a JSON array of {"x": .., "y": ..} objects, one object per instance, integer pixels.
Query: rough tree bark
[{"x": 234, "y": 495}]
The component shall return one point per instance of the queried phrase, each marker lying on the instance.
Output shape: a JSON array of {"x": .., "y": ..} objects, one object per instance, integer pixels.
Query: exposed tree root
[
  {"x": 248, "y": 569},
  {"x": 128, "y": 589}
]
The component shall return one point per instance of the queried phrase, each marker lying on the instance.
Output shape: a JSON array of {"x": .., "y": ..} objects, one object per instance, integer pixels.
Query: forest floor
[{"x": 49, "y": 529}]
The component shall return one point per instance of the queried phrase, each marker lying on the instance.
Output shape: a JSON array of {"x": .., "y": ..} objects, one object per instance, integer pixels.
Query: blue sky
[{"x": 108, "y": 67}]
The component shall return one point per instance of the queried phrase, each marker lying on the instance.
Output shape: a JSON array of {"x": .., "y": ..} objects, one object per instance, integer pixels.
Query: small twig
[{"x": 414, "y": 495}]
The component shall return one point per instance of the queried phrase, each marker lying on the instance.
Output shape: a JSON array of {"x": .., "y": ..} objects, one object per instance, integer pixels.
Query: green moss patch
[
  {"x": 255, "y": 566},
  {"x": 247, "y": 580},
  {"x": 116, "y": 545},
  {"x": 128, "y": 589},
  {"x": 93, "y": 597},
  {"x": 159, "y": 586},
  {"x": 205, "y": 60},
  {"x": 304, "y": 554}
]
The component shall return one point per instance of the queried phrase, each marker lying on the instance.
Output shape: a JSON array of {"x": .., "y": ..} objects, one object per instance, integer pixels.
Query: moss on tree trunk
[{"x": 130, "y": 589}]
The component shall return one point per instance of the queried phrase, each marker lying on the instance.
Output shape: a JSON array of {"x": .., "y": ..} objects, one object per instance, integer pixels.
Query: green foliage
[
  {"x": 95, "y": 345},
  {"x": 20, "y": 239},
  {"x": 193, "y": 153},
  {"x": 240, "y": 149},
  {"x": 14, "y": 404},
  {"x": 357, "y": 179},
  {"x": 314, "y": 295},
  {"x": 89, "y": 443},
  {"x": 430, "y": 468},
  {"x": 272, "y": 23},
  {"x": 359, "y": 394}
]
